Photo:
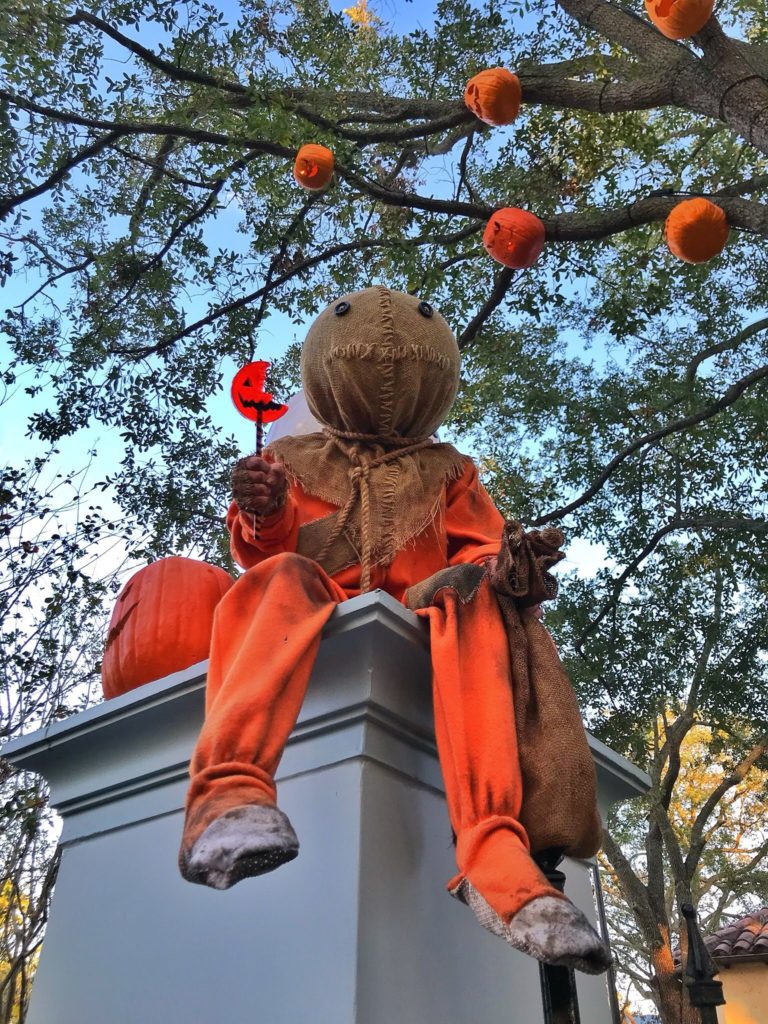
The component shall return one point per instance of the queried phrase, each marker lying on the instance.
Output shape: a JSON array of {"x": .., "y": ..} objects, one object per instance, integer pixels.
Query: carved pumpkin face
[
  {"x": 493, "y": 96},
  {"x": 696, "y": 230},
  {"x": 313, "y": 168},
  {"x": 249, "y": 397},
  {"x": 679, "y": 19},
  {"x": 514, "y": 237}
]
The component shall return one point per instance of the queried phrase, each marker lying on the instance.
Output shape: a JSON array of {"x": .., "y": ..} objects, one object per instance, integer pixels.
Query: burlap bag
[
  {"x": 559, "y": 792},
  {"x": 560, "y": 803}
]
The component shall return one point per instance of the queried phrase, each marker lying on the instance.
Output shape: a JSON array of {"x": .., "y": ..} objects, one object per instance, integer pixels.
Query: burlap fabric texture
[
  {"x": 380, "y": 370},
  {"x": 559, "y": 788},
  {"x": 560, "y": 801}
]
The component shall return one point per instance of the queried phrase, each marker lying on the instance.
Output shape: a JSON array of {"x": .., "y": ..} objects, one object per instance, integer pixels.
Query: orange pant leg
[
  {"x": 266, "y": 633},
  {"x": 477, "y": 745}
]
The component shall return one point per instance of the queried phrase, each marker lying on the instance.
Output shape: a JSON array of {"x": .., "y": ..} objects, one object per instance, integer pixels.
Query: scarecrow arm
[
  {"x": 277, "y": 533},
  {"x": 260, "y": 486},
  {"x": 521, "y": 571},
  {"x": 472, "y": 522}
]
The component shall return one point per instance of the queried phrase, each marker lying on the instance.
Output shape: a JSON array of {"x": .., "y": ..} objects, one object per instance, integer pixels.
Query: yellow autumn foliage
[
  {"x": 362, "y": 16},
  {"x": 705, "y": 761},
  {"x": 12, "y": 913}
]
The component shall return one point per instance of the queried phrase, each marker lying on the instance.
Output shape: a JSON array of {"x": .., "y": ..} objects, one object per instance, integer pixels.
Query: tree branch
[
  {"x": 594, "y": 224},
  {"x": 601, "y": 222},
  {"x": 724, "y": 346},
  {"x": 757, "y": 184},
  {"x": 146, "y": 127},
  {"x": 634, "y": 890},
  {"x": 60, "y": 173},
  {"x": 739, "y": 84},
  {"x": 696, "y": 845},
  {"x": 177, "y": 231},
  {"x": 277, "y": 260},
  {"x": 179, "y": 74},
  {"x": 604, "y": 97},
  {"x": 547, "y": 84},
  {"x": 163, "y": 170},
  {"x": 759, "y": 526},
  {"x": 625, "y": 29},
  {"x": 734, "y": 392},
  {"x": 312, "y": 261},
  {"x": 459, "y": 116},
  {"x": 501, "y": 284},
  {"x": 164, "y": 152},
  {"x": 53, "y": 278},
  {"x": 390, "y": 197}
]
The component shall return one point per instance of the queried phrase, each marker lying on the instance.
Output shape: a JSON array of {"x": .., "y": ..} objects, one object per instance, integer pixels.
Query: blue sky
[{"x": 275, "y": 336}]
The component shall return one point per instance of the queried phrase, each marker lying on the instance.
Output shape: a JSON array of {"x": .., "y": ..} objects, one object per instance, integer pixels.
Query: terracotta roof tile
[{"x": 746, "y": 937}]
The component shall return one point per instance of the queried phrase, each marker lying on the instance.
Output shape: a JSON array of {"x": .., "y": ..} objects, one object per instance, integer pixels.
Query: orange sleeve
[
  {"x": 473, "y": 523},
  {"x": 278, "y": 532}
]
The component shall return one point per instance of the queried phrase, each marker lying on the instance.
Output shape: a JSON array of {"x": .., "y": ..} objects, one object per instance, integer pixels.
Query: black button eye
[
  {"x": 425, "y": 309},
  {"x": 341, "y": 308}
]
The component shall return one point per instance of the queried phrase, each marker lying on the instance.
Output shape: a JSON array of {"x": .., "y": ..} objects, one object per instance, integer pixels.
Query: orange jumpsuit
[{"x": 266, "y": 634}]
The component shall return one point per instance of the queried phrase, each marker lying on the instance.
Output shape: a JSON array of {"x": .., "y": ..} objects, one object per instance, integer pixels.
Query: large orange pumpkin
[
  {"x": 161, "y": 622},
  {"x": 696, "y": 230},
  {"x": 313, "y": 168},
  {"x": 514, "y": 237},
  {"x": 494, "y": 96},
  {"x": 679, "y": 19}
]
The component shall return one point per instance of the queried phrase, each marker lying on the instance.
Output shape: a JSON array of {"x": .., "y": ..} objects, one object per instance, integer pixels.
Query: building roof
[{"x": 746, "y": 938}]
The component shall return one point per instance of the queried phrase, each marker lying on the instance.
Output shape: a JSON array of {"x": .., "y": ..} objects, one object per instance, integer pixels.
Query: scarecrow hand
[
  {"x": 521, "y": 570},
  {"x": 258, "y": 486}
]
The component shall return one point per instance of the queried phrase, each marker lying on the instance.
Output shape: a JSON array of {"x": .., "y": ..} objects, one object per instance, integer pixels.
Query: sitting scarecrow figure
[{"x": 373, "y": 501}]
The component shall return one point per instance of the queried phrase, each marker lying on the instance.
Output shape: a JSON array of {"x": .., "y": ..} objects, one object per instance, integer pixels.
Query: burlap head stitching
[{"x": 380, "y": 371}]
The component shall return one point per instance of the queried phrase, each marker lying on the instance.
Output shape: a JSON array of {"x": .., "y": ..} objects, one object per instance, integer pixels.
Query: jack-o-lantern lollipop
[{"x": 252, "y": 401}]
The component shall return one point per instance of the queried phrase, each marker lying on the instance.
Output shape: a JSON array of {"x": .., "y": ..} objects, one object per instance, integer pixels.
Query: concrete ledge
[
  {"x": 357, "y": 930},
  {"x": 370, "y": 696}
]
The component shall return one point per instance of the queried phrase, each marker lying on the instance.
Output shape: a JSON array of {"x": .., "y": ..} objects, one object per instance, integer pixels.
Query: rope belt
[{"x": 359, "y": 471}]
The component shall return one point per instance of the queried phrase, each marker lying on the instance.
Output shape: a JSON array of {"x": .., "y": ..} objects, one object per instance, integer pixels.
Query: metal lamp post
[{"x": 699, "y": 978}]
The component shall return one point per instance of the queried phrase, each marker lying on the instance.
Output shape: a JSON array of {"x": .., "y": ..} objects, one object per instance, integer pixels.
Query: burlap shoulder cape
[{"x": 394, "y": 494}]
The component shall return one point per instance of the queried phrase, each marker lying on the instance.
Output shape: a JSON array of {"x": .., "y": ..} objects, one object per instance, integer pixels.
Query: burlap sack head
[
  {"x": 380, "y": 370},
  {"x": 380, "y": 362}
]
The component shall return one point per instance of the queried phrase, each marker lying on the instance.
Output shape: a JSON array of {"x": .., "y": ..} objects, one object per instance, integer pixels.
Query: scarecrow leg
[
  {"x": 266, "y": 634},
  {"x": 477, "y": 744}
]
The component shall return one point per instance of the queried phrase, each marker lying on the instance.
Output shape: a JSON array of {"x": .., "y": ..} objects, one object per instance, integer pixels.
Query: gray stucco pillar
[{"x": 357, "y": 930}]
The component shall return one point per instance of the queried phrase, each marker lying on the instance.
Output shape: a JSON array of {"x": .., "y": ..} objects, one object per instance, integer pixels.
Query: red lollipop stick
[{"x": 252, "y": 401}]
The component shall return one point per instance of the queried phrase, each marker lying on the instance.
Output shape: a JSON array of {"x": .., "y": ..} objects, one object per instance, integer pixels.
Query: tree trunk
[{"x": 669, "y": 996}]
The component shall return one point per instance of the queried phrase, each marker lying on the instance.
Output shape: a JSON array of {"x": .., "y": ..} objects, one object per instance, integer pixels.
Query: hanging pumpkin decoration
[
  {"x": 494, "y": 96},
  {"x": 679, "y": 19},
  {"x": 161, "y": 622},
  {"x": 696, "y": 230},
  {"x": 514, "y": 237},
  {"x": 313, "y": 168}
]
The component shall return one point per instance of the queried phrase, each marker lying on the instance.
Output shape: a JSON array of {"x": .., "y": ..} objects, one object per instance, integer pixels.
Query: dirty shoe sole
[
  {"x": 244, "y": 842},
  {"x": 549, "y": 929}
]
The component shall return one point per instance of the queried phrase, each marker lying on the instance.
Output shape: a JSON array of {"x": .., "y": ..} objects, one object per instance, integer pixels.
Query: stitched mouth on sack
[{"x": 389, "y": 354}]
